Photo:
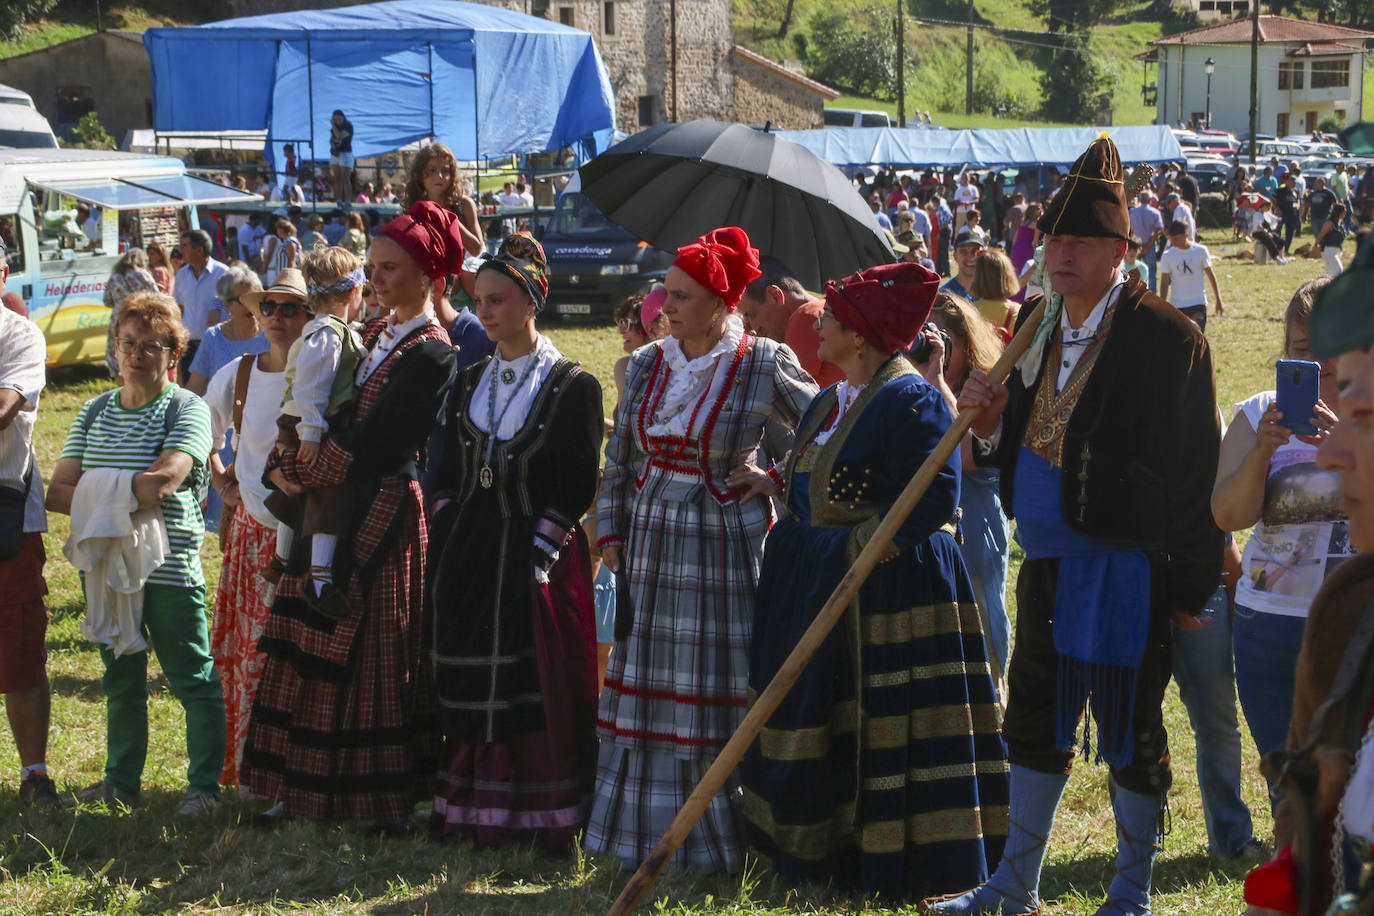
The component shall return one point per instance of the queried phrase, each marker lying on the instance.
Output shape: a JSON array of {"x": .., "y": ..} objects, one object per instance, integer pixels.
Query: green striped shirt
[{"x": 132, "y": 440}]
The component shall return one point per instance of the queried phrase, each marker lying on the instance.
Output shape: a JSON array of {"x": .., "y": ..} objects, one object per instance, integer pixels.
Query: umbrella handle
[{"x": 768, "y": 701}]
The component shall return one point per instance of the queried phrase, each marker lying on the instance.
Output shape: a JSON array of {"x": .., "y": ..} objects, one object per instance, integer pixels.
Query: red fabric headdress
[
  {"x": 721, "y": 261},
  {"x": 430, "y": 235},
  {"x": 888, "y": 305}
]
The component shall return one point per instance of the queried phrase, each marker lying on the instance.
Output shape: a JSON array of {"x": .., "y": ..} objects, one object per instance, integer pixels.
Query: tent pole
[
  {"x": 310, "y": 102},
  {"x": 429, "y": 50},
  {"x": 476, "y": 144}
]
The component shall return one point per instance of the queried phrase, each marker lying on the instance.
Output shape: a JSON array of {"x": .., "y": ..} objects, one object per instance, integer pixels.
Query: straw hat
[{"x": 289, "y": 282}]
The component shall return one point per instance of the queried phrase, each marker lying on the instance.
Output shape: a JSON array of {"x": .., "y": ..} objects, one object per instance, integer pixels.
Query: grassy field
[{"x": 93, "y": 860}]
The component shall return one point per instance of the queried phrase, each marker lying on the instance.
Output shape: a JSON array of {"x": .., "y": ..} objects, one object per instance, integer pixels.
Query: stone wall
[
  {"x": 761, "y": 97},
  {"x": 111, "y": 65},
  {"x": 638, "y": 53}
]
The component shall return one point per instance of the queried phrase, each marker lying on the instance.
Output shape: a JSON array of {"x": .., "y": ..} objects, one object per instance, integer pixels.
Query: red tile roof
[
  {"x": 1322, "y": 48},
  {"x": 778, "y": 69},
  {"x": 1272, "y": 28}
]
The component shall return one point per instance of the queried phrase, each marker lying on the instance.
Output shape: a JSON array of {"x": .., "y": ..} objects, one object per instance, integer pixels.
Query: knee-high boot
[
  {"x": 1137, "y": 846},
  {"x": 1015, "y": 887}
]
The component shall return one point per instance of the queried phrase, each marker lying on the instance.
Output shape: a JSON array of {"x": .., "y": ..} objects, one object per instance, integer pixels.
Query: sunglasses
[{"x": 268, "y": 307}]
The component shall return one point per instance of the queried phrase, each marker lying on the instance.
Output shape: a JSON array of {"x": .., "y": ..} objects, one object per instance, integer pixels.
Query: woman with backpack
[{"x": 144, "y": 446}]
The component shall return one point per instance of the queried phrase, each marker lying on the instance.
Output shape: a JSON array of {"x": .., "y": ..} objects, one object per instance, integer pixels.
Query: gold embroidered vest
[{"x": 1050, "y": 412}]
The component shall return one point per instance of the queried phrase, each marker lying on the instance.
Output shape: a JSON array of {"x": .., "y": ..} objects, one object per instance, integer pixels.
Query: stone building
[
  {"x": 107, "y": 72},
  {"x": 667, "y": 60}
]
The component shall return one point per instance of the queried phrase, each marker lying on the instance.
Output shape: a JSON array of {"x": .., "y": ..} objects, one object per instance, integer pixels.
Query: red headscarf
[
  {"x": 721, "y": 261},
  {"x": 888, "y": 305},
  {"x": 430, "y": 235}
]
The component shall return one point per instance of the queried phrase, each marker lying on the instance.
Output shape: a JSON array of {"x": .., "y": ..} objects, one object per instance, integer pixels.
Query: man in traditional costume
[
  {"x": 1107, "y": 438},
  {"x": 1324, "y": 822}
]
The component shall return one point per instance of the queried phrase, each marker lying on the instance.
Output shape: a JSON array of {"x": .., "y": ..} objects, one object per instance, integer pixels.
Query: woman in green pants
[{"x": 161, "y": 432}]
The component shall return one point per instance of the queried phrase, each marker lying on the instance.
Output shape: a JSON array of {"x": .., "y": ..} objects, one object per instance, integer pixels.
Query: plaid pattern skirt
[
  {"x": 342, "y": 725},
  {"x": 675, "y": 689},
  {"x": 241, "y": 607}
]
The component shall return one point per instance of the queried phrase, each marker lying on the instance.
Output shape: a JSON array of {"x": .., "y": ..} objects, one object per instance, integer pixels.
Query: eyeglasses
[
  {"x": 627, "y": 324},
  {"x": 150, "y": 349},
  {"x": 288, "y": 309}
]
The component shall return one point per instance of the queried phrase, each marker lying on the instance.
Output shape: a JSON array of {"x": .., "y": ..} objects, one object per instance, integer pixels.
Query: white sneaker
[{"x": 198, "y": 804}]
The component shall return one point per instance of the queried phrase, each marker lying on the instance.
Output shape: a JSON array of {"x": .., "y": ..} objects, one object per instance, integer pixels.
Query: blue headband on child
[{"x": 345, "y": 283}]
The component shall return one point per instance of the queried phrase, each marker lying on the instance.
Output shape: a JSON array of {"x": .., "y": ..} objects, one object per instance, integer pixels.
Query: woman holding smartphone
[{"x": 1268, "y": 478}]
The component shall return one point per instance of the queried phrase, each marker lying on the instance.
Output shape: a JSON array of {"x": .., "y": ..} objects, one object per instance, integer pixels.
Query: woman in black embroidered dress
[{"x": 514, "y": 651}]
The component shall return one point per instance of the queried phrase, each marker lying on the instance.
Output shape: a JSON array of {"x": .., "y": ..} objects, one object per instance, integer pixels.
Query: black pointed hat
[{"x": 1092, "y": 200}]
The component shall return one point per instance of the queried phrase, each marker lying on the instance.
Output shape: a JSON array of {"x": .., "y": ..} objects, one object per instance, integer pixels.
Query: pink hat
[{"x": 652, "y": 306}]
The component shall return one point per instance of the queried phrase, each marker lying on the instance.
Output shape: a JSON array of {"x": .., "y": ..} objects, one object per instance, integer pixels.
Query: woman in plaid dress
[
  {"x": 342, "y": 725},
  {"x": 697, "y": 404}
]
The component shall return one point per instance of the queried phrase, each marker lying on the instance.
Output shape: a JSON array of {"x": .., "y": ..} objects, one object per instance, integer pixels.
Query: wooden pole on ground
[{"x": 768, "y": 701}]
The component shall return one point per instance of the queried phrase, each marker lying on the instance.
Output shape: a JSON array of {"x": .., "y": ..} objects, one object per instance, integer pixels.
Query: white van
[
  {"x": 854, "y": 117},
  {"x": 21, "y": 126},
  {"x": 60, "y": 270}
]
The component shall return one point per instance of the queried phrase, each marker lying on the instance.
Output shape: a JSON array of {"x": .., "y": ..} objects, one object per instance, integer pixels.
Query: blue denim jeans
[
  {"x": 1150, "y": 254},
  {"x": 1207, "y": 684},
  {"x": 1266, "y": 648}
]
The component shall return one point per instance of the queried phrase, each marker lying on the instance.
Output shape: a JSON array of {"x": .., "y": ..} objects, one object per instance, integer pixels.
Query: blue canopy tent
[
  {"x": 981, "y": 147},
  {"x": 401, "y": 71}
]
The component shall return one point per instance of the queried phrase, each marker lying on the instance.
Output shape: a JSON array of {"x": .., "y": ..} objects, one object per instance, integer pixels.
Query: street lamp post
[{"x": 1210, "y": 67}]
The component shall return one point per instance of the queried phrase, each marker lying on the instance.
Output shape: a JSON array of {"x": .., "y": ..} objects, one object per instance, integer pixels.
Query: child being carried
[{"x": 320, "y": 369}]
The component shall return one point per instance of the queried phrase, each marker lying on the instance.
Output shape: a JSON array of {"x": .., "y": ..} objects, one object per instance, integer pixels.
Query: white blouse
[
  {"x": 692, "y": 381},
  {"x": 847, "y": 394},
  {"x": 391, "y": 335},
  {"x": 517, "y": 385}
]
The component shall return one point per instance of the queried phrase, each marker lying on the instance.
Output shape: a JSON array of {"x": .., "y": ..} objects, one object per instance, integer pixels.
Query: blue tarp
[
  {"x": 484, "y": 80},
  {"x": 982, "y": 147}
]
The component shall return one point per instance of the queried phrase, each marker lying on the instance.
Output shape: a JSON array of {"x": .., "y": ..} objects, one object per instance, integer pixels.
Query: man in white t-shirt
[
  {"x": 509, "y": 198},
  {"x": 1181, "y": 272},
  {"x": 1179, "y": 211},
  {"x": 23, "y": 619},
  {"x": 965, "y": 198}
]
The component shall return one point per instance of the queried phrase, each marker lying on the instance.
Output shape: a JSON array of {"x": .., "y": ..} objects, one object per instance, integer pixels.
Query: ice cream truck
[{"x": 60, "y": 266}]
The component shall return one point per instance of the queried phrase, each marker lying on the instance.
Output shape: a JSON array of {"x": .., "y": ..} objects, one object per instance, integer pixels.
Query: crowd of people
[{"x": 435, "y": 589}]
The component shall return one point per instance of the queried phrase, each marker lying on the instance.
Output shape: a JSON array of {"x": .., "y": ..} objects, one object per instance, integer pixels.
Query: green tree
[
  {"x": 92, "y": 134},
  {"x": 1073, "y": 81},
  {"x": 1072, "y": 15},
  {"x": 15, "y": 14},
  {"x": 854, "y": 50}
]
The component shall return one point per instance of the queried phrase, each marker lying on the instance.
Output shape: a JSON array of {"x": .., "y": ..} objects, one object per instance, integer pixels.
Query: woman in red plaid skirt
[{"x": 342, "y": 726}]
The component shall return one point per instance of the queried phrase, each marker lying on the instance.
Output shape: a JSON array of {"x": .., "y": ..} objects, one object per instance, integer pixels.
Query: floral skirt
[{"x": 241, "y": 607}]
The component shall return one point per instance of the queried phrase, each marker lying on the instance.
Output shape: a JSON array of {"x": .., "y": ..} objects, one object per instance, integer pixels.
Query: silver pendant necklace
[{"x": 484, "y": 475}]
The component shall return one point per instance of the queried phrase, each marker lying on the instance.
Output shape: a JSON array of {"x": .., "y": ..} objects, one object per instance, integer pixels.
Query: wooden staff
[{"x": 768, "y": 701}]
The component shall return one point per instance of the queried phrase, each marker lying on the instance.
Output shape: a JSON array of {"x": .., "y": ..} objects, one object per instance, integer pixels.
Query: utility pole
[
  {"x": 1254, "y": 77},
  {"x": 901, "y": 65},
  {"x": 968, "y": 64},
  {"x": 672, "y": 41}
]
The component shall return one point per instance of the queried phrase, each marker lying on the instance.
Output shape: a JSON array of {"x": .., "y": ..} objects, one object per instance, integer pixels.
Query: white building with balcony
[{"x": 1307, "y": 71}]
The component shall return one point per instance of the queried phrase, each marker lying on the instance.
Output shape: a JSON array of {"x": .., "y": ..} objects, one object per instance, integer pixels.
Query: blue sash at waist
[{"x": 1101, "y": 615}]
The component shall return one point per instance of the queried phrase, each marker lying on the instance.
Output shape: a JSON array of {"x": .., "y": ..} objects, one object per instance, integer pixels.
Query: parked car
[
  {"x": 1211, "y": 174},
  {"x": 595, "y": 264},
  {"x": 855, "y": 117},
  {"x": 21, "y": 126},
  {"x": 1223, "y": 145}
]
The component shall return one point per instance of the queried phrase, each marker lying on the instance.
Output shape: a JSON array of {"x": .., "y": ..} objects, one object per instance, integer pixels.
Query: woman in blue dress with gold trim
[{"x": 884, "y": 769}]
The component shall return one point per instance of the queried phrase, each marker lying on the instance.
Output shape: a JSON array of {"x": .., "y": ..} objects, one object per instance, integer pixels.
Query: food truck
[{"x": 60, "y": 267}]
